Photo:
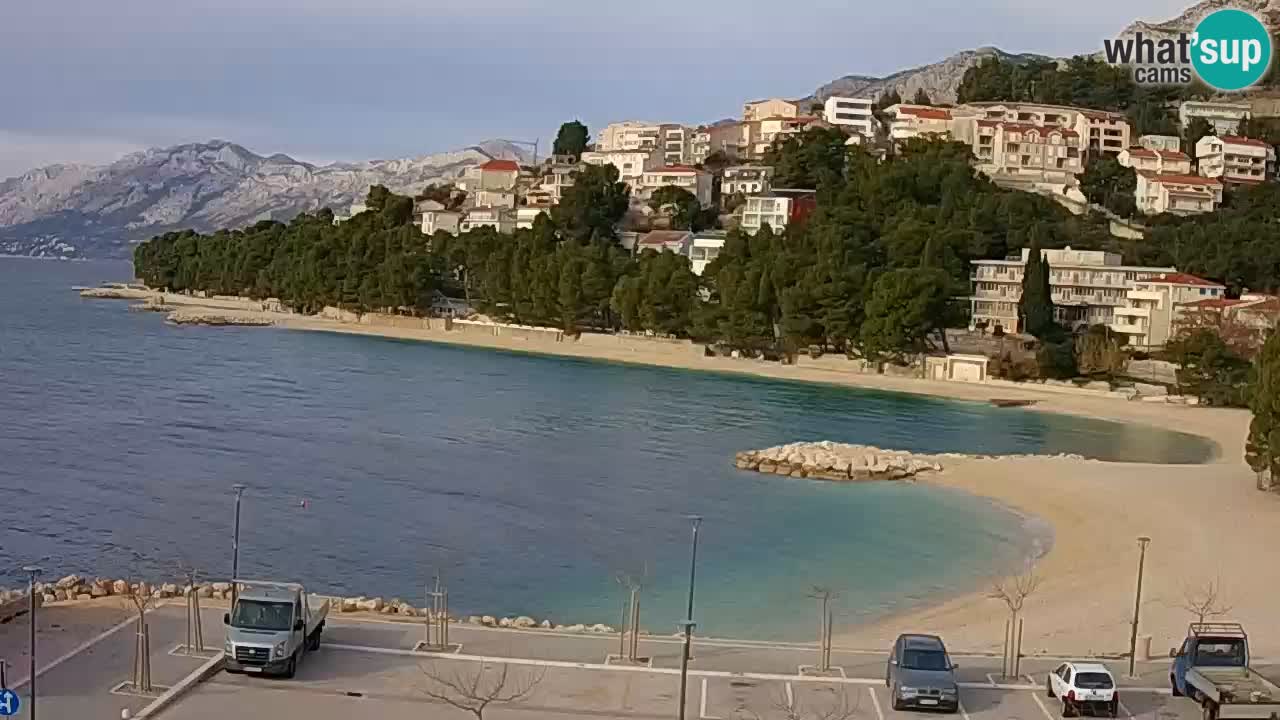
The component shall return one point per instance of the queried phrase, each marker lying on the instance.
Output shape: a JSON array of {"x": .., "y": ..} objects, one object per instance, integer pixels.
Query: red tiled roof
[
  {"x": 1215, "y": 303},
  {"x": 1238, "y": 140},
  {"x": 1177, "y": 278},
  {"x": 1026, "y": 127},
  {"x": 1179, "y": 179},
  {"x": 1141, "y": 152},
  {"x": 501, "y": 165},
  {"x": 927, "y": 113},
  {"x": 1165, "y": 154}
]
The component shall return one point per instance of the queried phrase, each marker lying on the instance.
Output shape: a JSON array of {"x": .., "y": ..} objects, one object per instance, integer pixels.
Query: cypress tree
[{"x": 1035, "y": 307}]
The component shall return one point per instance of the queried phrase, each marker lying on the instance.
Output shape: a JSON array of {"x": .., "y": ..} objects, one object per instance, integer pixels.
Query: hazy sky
[{"x": 322, "y": 80}]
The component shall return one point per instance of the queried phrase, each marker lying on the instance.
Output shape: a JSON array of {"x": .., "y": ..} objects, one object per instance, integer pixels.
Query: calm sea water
[{"x": 530, "y": 481}]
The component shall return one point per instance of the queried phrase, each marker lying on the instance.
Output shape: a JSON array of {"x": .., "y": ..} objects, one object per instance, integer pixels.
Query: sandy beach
[{"x": 1206, "y": 522}]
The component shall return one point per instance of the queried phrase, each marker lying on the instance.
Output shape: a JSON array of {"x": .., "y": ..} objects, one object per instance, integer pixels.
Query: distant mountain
[
  {"x": 100, "y": 211},
  {"x": 1267, "y": 10},
  {"x": 940, "y": 80}
]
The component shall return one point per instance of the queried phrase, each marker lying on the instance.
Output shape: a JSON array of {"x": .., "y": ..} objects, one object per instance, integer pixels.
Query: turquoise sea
[{"x": 529, "y": 481}]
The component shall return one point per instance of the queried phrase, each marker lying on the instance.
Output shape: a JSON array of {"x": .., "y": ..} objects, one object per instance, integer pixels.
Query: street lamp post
[
  {"x": 235, "y": 547},
  {"x": 32, "y": 571},
  {"x": 688, "y": 621},
  {"x": 1137, "y": 604}
]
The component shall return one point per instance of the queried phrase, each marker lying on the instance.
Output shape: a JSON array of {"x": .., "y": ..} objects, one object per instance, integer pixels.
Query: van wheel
[
  {"x": 1173, "y": 686},
  {"x": 1210, "y": 710},
  {"x": 292, "y": 668},
  {"x": 894, "y": 702}
]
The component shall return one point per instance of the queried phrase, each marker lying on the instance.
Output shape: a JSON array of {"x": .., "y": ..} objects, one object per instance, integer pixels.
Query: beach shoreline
[{"x": 1095, "y": 509}]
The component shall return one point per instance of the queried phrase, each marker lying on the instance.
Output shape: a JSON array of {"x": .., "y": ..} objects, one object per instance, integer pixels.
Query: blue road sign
[{"x": 9, "y": 702}]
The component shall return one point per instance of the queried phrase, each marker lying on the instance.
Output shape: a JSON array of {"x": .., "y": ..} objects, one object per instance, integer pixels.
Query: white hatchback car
[{"x": 1084, "y": 686}]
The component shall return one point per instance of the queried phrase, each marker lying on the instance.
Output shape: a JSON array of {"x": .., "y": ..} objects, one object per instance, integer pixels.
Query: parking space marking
[
  {"x": 991, "y": 680},
  {"x": 1029, "y": 679},
  {"x": 1125, "y": 710},
  {"x": 964, "y": 713},
  {"x": 875, "y": 703},
  {"x": 702, "y": 707},
  {"x": 1043, "y": 709},
  {"x": 791, "y": 698},
  {"x": 82, "y": 647}
]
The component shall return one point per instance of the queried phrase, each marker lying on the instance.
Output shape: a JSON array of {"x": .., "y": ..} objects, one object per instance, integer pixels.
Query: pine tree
[
  {"x": 1263, "y": 443},
  {"x": 1035, "y": 307}
]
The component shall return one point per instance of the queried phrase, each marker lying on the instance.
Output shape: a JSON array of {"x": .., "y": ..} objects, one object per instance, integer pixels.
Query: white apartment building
[
  {"x": 918, "y": 121},
  {"x": 1172, "y": 143},
  {"x": 746, "y": 180},
  {"x": 1156, "y": 161},
  {"x": 556, "y": 179},
  {"x": 773, "y": 107},
  {"x": 629, "y": 135},
  {"x": 1087, "y": 287},
  {"x": 704, "y": 247},
  {"x": 759, "y": 135},
  {"x": 677, "y": 144},
  {"x": 1235, "y": 159},
  {"x": 499, "y": 175},
  {"x": 776, "y": 208},
  {"x": 1047, "y": 153},
  {"x": 1099, "y": 131},
  {"x": 692, "y": 179},
  {"x": 1153, "y": 306},
  {"x": 505, "y": 198},
  {"x": 501, "y": 219},
  {"x": 432, "y": 220},
  {"x": 853, "y": 114},
  {"x": 1177, "y": 194},
  {"x": 723, "y": 138},
  {"x": 1225, "y": 117},
  {"x": 526, "y": 215},
  {"x": 631, "y": 164}
]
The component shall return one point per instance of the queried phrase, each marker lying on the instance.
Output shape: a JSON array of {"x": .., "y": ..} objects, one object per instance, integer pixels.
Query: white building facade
[
  {"x": 1087, "y": 287},
  {"x": 1234, "y": 159},
  {"x": 692, "y": 179},
  {"x": 631, "y": 164},
  {"x": 1152, "y": 307},
  {"x": 1224, "y": 117},
  {"x": 852, "y": 114},
  {"x": 1177, "y": 194},
  {"x": 746, "y": 180}
]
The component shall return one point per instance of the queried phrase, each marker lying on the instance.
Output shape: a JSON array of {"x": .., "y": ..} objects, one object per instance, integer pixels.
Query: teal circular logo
[{"x": 1232, "y": 50}]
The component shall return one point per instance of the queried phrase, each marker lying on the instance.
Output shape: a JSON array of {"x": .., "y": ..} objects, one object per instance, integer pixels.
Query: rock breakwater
[
  {"x": 840, "y": 462},
  {"x": 191, "y": 316}
]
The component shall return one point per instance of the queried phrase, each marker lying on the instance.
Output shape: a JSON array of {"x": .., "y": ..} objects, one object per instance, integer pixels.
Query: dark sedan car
[{"x": 920, "y": 674}]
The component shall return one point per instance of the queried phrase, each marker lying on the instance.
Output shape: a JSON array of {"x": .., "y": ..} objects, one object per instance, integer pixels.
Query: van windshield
[
  {"x": 262, "y": 615},
  {"x": 925, "y": 660}
]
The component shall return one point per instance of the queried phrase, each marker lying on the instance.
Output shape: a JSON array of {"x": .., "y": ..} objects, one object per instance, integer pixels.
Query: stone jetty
[
  {"x": 839, "y": 462},
  {"x": 202, "y": 316}
]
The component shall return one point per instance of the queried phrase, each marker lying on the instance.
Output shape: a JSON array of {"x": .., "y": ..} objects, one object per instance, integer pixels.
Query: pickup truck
[
  {"x": 271, "y": 627},
  {"x": 1212, "y": 668}
]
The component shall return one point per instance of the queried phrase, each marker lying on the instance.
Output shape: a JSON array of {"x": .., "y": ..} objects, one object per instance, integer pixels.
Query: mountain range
[
  {"x": 100, "y": 211},
  {"x": 71, "y": 211}
]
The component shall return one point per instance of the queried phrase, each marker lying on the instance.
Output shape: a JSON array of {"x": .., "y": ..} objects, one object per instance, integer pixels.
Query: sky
[{"x": 323, "y": 81}]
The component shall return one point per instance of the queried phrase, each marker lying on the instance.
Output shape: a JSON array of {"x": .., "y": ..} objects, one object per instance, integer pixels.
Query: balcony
[
  {"x": 1137, "y": 312},
  {"x": 1127, "y": 328}
]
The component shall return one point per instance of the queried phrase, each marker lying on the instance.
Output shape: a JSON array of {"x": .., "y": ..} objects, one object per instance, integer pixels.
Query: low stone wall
[
  {"x": 836, "y": 461},
  {"x": 1157, "y": 371},
  {"x": 396, "y": 321},
  {"x": 13, "y": 603}
]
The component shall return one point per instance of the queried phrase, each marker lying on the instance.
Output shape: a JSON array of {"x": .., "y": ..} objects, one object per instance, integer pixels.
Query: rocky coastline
[
  {"x": 72, "y": 589},
  {"x": 215, "y": 318}
]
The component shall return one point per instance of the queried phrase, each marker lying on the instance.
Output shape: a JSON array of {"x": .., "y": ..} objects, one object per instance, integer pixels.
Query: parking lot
[{"x": 341, "y": 682}]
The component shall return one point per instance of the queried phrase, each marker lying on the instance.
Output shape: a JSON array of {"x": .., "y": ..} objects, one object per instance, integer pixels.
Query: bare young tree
[
  {"x": 473, "y": 688},
  {"x": 191, "y": 589},
  {"x": 824, "y": 595},
  {"x": 1013, "y": 592},
  {"x": 139, "y": 596},
  {"x": 1205, "y": 601}
]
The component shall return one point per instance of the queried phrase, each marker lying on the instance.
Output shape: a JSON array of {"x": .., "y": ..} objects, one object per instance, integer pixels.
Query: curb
[{"x": 199, "y": 675}]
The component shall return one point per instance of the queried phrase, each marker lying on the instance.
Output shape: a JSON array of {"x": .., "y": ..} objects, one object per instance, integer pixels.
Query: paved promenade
[{"x": 369, "y": 668}]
